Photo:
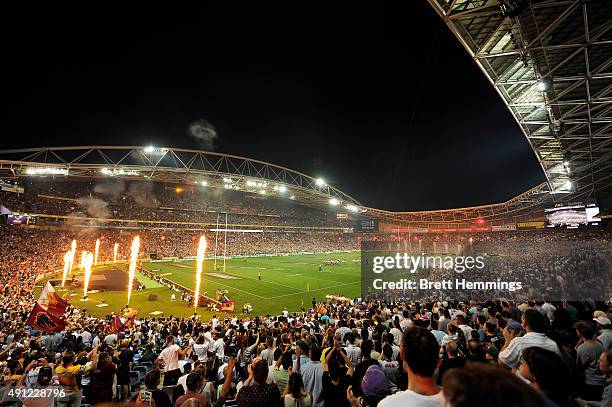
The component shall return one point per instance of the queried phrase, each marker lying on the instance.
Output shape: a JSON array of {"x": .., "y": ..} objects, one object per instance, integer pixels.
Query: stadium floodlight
[
  {"x": 46, "y": 171},
  {"x": 204, "y": 183},
  {"x": 152, "y": 150},
  {"x": 282, "y": 189},
  {"x": 334, "y": 201},
  {"x": 545, "y": 84},
  {"x": 320, "y": 182},
  {"x": 227, "y": 180},
  {"x": 262, "y": 191},
  {"x": 352, "y": 208},
  {"x": 113, "y": 172},
  {"x": 292, "y": 197}
]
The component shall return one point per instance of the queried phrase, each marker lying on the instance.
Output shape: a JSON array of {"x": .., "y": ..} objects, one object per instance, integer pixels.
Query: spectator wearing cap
[
  {"x": 420, "y": 356},
  {"x": 605, "y": 331},
  {"x": 363, "y": 366},
  {"x": 374, "y": 388},
  {"x": 535, "y": 326}
]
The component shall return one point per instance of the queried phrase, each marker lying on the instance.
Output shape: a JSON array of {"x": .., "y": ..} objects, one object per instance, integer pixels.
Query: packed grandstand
[{"x": 355, "y": 351}]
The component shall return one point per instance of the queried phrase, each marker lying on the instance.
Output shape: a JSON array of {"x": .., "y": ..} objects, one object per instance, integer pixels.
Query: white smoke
[
  {"x": 94, "y": 207},
  {"x": 110, "y": 187},
  {"x": 204, "y": 133}
]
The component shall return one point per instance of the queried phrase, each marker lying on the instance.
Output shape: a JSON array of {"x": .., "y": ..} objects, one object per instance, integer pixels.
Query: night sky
[{"x": 380, "y": 101}]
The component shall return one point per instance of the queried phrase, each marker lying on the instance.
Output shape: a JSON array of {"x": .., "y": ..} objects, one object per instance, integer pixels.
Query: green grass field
[{"x": 286, "y": 281}]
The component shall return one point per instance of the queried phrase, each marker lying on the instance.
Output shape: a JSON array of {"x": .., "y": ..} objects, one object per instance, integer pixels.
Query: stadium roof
[
  {"x": 210, "y": 169},
  {"x": 207, "y": 169},
  {"x": 551, "y": 63}
]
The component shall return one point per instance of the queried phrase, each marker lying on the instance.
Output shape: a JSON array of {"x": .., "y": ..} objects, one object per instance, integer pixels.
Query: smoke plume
[
  {"x": 204, "y": 133},
  {"x": 110, "y": 187},
  {"x": 94, "y": 207},
  {"x": 142, "y": 194}
]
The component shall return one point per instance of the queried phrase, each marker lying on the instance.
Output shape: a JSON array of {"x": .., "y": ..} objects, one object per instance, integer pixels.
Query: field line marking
[
  {"x": 312, "y": 277},
  {"x": 318, "y": 289},
  {"x": 233, "y": 288}
]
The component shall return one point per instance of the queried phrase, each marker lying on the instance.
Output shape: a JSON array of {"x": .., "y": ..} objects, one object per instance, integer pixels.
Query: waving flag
[
  {"x": 42, "y": 320},
  {"x": 51, "y": 302}
]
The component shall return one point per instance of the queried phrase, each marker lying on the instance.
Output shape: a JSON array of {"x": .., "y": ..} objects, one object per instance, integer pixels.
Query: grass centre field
[{"x": 285, "y": 282}]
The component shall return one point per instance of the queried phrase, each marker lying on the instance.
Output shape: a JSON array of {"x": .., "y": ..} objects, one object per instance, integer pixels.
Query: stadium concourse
[{"x": 424, "y": 351}]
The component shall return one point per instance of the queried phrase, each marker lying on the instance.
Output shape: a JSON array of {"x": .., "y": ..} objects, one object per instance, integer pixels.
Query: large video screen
[
  {"x": 573, "y": 215},
  {"x": 367, "y": 225}
]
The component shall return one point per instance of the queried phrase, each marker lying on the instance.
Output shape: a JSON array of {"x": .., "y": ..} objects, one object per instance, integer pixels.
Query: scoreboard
[{"x": 369, "y": 225}]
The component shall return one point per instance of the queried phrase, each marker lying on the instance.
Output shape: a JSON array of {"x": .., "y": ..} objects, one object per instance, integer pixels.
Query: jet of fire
[
  {"x": 115, "y": 248},
  {"x": 72, "y": 255},
  {"x": 97, "y": 250},
  {"x": 67, "y": 258},
  {"x": 133, "y": 260},
  {"x": 200, "y": 261},
  {"x": 87, "y": 263},
  {"x": 83, "y": 255}
]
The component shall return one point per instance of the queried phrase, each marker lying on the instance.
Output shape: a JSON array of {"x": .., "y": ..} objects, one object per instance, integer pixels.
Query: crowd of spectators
[
  {"x": 161, "y": 202},
  {"x": 339, "y": 353},
  {"x": 436, "y": 351}
]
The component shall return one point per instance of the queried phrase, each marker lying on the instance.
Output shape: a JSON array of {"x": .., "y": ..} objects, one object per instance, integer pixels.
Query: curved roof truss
[
  {"x": 551, "y": 63},
  {"x": 173, "y": 165}
]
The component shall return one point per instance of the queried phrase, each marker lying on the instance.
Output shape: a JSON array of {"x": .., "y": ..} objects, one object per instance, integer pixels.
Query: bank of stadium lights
[
  {"x": 334, "y": 201},
  {"x": 46, "y": 171},
  {"x": 352, "y": 208},
  {"x": 151, "y": 150},
  {"x": 227, "y": 180},
  {"x": 204, "y": 183},
  {"x": 113, "y": 172},
  {"x": 256, "y": 184},
  {"x": 280, "y": 188},
  {"x": 320, "y": 182}
]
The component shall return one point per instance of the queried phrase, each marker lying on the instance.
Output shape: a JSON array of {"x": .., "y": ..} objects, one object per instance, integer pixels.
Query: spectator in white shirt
[
  {"x": 169, "y": 358},
  {"x": 420, "y": 355},
  {"x": 535, "y": 326},
  {"x": 353, "y": 352}
]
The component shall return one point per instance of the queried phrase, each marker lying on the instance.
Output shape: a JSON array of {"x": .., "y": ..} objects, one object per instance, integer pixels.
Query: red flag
[
  {"x": 42, "y": 320},
  {"x": 119, "y": 323},
  {"x": 51, "y": 302},
  {"x": 116, "y": 325}
]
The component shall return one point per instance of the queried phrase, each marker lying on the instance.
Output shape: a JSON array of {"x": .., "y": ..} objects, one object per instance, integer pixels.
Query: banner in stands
[
  {"x": 530, "y": 225},
  {"x": 227, "y": 306},
  {"x": 501, "y": 228}
]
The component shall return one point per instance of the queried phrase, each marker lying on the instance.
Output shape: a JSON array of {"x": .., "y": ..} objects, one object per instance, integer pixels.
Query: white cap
[{"x": 602, "y": 320}]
